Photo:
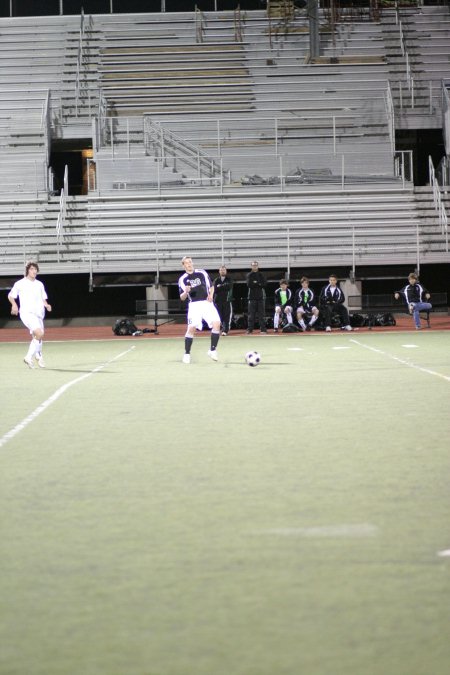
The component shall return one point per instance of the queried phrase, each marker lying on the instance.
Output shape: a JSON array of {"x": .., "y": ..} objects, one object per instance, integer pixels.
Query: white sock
[
  {"x": 289, "y": 318},
  {"x": 276, "y": 320},
  {"x": 39, "y": 347},
  {"x": 302, "y": 323},
  {"x": 313, "y": 320},
  {"x": 34, "y": 345}
]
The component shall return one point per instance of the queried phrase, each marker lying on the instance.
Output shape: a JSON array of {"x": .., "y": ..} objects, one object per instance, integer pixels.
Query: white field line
[
  {"x": 54, "y": 397},
  {"x": 402, "y": 361},
  {"x": 326, "y": 531}
]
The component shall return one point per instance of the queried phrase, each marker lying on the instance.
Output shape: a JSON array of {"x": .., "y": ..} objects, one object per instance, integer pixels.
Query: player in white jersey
[
  {"x": 31, "y": 309},
  {"x": 196, "y": 286}
]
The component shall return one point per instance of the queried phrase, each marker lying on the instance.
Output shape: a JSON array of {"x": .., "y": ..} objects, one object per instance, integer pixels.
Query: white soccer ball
[{"x": 253, "y": 358}]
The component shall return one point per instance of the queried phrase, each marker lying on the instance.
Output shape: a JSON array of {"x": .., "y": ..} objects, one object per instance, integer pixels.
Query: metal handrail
[
  {"x": 61, "y": 220},
  {"x": 200, "y": 24},
  {"x": 237, "y": 24},
  {"x": 166, "y": 142},
  {"x": 438, "y": 202},
  {"x": 79, "y": 62}
]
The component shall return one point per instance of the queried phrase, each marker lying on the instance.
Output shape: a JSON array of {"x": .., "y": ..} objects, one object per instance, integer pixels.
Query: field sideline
[{"x": 215, "y": 519}]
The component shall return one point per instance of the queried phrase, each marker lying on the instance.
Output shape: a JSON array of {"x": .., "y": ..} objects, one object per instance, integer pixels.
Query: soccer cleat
[
  {"x": 212, "y": 353},
  {"x": 275, "y": 330},
  {"x": 328, "y": 329},
  {"x": 418, "y": 327},
  {"x": 29, "y": 362},
  {"x": 186, "y": 358},
  {"x": 224, "y": 332},
  {"x": 40, "y": 360}
]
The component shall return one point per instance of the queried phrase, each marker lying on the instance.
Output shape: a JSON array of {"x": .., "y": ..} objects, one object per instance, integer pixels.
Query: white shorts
[
  {"x": 202, "y": 310},
  {"x": 286, "y": 309},
  {"x": 32, "y": 321}
]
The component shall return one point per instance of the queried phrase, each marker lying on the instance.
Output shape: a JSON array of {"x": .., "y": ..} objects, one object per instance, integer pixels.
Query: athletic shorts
[
  {"x": 202, "y": 310},
  {"x": 31, "y": 321},
  {"x": 287, "y": 308}
]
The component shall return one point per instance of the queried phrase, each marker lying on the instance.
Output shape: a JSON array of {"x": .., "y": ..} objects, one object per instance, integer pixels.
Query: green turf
[{"x": 216, "y": 519}]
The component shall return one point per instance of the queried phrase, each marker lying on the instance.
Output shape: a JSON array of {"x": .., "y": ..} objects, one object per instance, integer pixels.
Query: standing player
[
  {"x": 195, "y": 285},
  {"x": 223, "y": 295},
  {"x": 32, "y": 305},
  {"x": 282, "y": 304},
  {"x": 256, "y": 284},
  {"x": 304, "y": 304}
]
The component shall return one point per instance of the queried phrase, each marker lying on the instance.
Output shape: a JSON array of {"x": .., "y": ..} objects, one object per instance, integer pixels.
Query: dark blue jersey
[
  {"x": 304, "y": 298},
  {"x": 199, "y": 282}
]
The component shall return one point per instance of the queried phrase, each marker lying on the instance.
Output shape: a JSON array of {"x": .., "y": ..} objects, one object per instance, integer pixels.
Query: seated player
[
  {"x": 415, "y": 296},
  {"x": 304, "y": 305},
  {"x": 282, "y": 297},
  {"x": 332, "y": 300}
]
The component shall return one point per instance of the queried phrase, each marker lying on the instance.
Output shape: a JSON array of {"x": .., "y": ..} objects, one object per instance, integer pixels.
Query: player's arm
[
  {"x": 14, "y": 306},
  {"x": 185, "y": 291},
  {"x": 47, "y": 306}
]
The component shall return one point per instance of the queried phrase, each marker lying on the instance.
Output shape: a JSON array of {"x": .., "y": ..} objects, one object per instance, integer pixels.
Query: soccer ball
[{"x": 253, "y": 358}]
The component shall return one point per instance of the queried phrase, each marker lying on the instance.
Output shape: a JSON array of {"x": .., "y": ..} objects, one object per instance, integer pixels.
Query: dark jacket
[
  {"x": 256, "y": 283},
  {"x": 328, "y": 298},
  {"x": 278, "y": 302},
  {"x": 223, "y": 289},
  {"x": 304, "y": 298},
  {"x": 413, "y": 293}
]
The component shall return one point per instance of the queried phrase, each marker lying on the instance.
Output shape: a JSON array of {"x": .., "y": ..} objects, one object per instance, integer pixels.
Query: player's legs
[
  {"x": 288, "y": 313},
  {"x": 251, "y": 315},
  {"x": 344, "y": 317},
  {"x": 212, "y": 318},
  {"x": 276, "y": 318},
  {"x": 300, "y": 318},
  {"x": 36, "y": 327},
  {"x": 314, "y": 317},
  {"x": 417, "y": 308},
  {"x": 261, "y": 315}
]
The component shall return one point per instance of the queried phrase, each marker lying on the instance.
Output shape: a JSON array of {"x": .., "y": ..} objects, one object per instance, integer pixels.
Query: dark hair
[
  {"x": 31, "y": 264},
  {"x": 333, "y": 275}
]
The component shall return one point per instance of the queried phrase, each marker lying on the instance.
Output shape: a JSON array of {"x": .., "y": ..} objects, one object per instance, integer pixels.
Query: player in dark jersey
[
  {"x": 195, "y": 285},
  {"x": 223, "y": 296},
  {"x": 332, "y": 300},
  {"x": 416, "y": 297},
  {"x": 305, "y": 306},
  {"x": 282, "y": 304}
]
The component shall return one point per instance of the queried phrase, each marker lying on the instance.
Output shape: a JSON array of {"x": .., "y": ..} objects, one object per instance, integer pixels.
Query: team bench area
[{"x": 373, "y": 305}]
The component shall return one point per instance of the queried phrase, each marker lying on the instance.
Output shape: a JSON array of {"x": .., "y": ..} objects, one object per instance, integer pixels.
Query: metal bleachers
[
  {"x": 136, "y": 233},
  {"x": 265, "y": 151}
]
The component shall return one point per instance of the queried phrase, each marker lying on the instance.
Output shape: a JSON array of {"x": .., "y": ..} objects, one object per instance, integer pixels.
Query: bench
[{"x": 378, "y": 304}]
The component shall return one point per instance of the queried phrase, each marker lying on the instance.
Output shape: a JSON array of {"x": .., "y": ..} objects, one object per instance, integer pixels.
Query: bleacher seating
[{"x": 301, "y": 148}]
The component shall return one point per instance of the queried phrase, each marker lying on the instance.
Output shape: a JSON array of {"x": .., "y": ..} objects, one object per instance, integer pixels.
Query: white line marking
[
  {"x": 445, "y": 553},
  {"x": 410, "y": 346},
  {"x": 340, "y": 347},
  {"x": 404, "y": 363},
  {"x": 54, "y": 397},
  {"x": 326, "y": 531},
  {"x": 295, "y": 349}
]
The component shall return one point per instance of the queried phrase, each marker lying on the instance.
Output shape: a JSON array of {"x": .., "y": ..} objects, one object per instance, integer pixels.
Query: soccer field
[{"x": 159, "y": 518}]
